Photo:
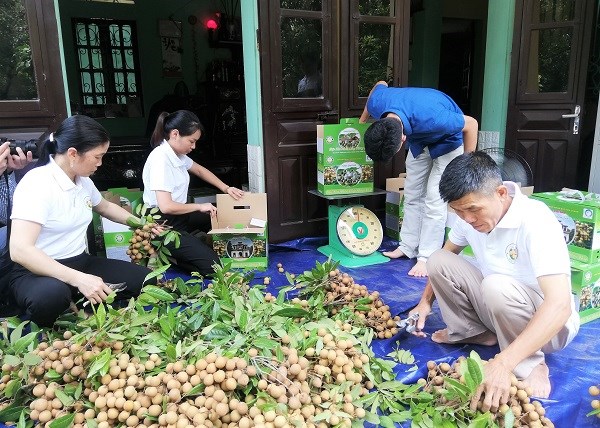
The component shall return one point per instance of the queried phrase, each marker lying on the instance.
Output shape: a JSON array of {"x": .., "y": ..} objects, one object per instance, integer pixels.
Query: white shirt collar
[
  {"x": 175, "y": 159},
  {"x": 512, "y": 217},
  {"x": 61, "y": 177}
]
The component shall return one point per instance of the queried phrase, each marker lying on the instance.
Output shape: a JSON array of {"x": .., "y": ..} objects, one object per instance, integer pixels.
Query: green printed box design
[
  {"x": 393, "y": 224},
  {"x": 394, "y": 204},
  {"x": 394, "y": 234},
  {"x": 345, "y": 137},
  {"x": 345, "y": 174},
  {"x": 244, "y": 250},
  {"x": 579, "y": 216},
  {"x": 585, "y": 285},
  {"x": 343, "y": 167}
]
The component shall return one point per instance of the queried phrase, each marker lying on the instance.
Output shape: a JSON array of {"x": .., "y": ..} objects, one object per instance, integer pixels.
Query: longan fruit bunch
[
  {"x": 140, "y": 245},
  {"x": 344, "y": 292},
  {"x": 527, "y": 413}
]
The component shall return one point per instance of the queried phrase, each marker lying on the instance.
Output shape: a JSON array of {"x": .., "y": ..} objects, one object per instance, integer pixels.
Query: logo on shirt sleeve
[
  {"x": 512, "y": 253},
  {"x": 88, "y": 202}
]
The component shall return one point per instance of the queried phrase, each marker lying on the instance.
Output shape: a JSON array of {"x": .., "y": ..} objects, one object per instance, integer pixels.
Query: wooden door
[
  {"x": 310, "y": 53},
  {"x": 549, "y": 65}
]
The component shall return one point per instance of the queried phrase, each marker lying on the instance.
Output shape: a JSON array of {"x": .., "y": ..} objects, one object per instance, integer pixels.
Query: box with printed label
[
  {"x": 115, "y": 237},
  {"x": 585, "y": 284},
  {"x": 343, "y": 167},
  {"x": 579, "y": 214},
  {"x": 239, "y": 230},
  {"x": 394, "y": 206}
]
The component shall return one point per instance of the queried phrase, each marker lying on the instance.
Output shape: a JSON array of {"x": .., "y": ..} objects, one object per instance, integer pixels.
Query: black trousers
[
  {"x": 44, "y": 298},
  {"x": 193, "y": 255}
]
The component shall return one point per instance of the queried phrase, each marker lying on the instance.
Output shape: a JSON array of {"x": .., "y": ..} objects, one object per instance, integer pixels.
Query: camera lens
[{"x": 25, "y": 145}]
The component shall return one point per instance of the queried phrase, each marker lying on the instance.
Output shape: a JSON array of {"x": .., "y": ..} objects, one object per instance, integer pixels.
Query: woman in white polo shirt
[
  {"x": 52, "y": 209},
  {"x": 166, "y": 181}
]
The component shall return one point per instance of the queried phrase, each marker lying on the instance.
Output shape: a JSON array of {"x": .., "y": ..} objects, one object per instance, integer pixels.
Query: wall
[
  {"x": 256, "y": 178},
  {"x": 146, "y": 13},
  {"x": 497, "y": 72}
]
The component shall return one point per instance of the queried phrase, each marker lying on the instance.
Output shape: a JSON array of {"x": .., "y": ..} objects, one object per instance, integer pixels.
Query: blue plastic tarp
[{"x": 572, "y": 370}]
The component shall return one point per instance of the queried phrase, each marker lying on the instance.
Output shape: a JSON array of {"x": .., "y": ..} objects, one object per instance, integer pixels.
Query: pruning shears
[
  {"x": 116, "y": 287},
  {"x": 410, "y": 323}
]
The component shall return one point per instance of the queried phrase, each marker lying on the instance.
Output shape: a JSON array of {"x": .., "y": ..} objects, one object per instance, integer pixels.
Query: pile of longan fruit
[
  {"x": 527, "y": 413},
  {"x": 594, "y": 391},
  {"x": 342, "y": 292},
  {"x": 213, "y": 391}
]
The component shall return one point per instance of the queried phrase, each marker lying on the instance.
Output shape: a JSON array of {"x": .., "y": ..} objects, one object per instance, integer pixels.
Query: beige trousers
[{"x": 471, "y": 304}]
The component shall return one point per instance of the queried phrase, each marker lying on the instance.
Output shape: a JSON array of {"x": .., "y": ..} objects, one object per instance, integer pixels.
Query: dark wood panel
[
  {"x": 549, "y": 120},
  {"x": 290, "y": 177}
]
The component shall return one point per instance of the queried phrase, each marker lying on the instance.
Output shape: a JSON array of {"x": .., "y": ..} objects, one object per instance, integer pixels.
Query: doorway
[
  {"x": 547, "y": 100},
  {"x": 319, "y": 60}
]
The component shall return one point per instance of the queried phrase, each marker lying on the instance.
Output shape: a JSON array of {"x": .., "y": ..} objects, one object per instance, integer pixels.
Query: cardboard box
[
  {"x": 115, "y": 236},
  {"x": 579, "y": 214},
  {"x": 239, "y": 230},
  {"x": 585, "y": 284},
  {"x": 343, "y": 166},
  {"x": 394, "y": 206}
]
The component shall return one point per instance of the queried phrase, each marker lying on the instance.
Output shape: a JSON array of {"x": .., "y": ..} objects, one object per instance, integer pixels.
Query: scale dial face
[{"x": 359, "y": 230}]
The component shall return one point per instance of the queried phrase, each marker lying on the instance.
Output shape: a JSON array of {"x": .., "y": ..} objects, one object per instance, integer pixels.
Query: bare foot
[
  {"x": 419, "y": 270},
  {"x": 486, "y": 338},
  {"x": 539, "y": 381},
  {"x": 396, "y": 254}
]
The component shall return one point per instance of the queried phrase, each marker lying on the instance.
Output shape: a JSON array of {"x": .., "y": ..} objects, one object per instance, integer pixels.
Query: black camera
[{"x": 25, "y": 145}]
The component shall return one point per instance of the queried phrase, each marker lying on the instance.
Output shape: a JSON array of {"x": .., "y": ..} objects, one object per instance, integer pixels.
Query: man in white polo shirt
[{"x": 520, "y": 298}]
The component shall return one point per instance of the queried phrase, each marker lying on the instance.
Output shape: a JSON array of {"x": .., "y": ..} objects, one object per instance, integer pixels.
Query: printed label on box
[{"x": 580, "y": 221}]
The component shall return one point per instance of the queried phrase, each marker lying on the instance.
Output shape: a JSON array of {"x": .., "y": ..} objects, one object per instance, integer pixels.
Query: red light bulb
[{"x": 211, "y": 24}]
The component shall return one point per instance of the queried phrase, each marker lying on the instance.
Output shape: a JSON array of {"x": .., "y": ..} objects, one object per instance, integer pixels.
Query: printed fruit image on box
[
  {"x": 239, "y": 230},
  {"x": 585, "y": 285},
  {"x": 579, "y": 215},
  {"x": 342, "y": 164},
  {"x": 247, "y": 250}
]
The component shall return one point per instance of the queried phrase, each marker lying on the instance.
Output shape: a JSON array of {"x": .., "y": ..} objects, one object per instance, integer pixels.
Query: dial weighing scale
[{"x": 355, "y": 233}]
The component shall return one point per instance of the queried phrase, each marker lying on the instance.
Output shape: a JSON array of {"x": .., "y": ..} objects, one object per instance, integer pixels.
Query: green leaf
[
  {"x": 17, "y": 332},
  {"x": 100, "y": 315},
  {"x": 386, "y": 421},
  {"x": 291, "y": 313},
  {"x": 22, "y": 422},
  {"x": 100, "y": 363},
  {"x": 241, "y": 318},
  {"x": 64, "y": 398},
  {"x": 31, "y": 359},
  {"x": 91, "y": 423},
  {"x": 473, "y": 376},
  {"x": 158, "y": 293},
  {"x": 197, "y": 390},
  {"x": 12, "y": 387},
  {"x": 24, "y": 342},
  {"x": 78, "y": 391},
  {"x": 156, "y": 273},
  {"x": 12, "y": 360},
  {"x": 509, "y": 419},
  {"x": 12, "y": 413},
  {"x": 264, "y": 343},
  {"x": 171, "y": 352},
  {"x": 65, "y": 421}
]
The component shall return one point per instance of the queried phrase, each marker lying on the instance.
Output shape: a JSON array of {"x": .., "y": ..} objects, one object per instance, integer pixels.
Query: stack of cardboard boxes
[
  {"x": 394, "y": 206},
  {"x": 579, "y": 214},
  {"x": 343, "y": 167}
]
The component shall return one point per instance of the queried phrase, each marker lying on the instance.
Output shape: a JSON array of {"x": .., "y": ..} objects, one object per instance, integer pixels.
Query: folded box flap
[
  {"x": 235, "y": 231},
  {"x": 233, "y": 214}
]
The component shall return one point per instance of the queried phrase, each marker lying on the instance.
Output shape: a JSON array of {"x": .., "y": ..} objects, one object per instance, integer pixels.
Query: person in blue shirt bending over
[{"x": 436, "y": 131}]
